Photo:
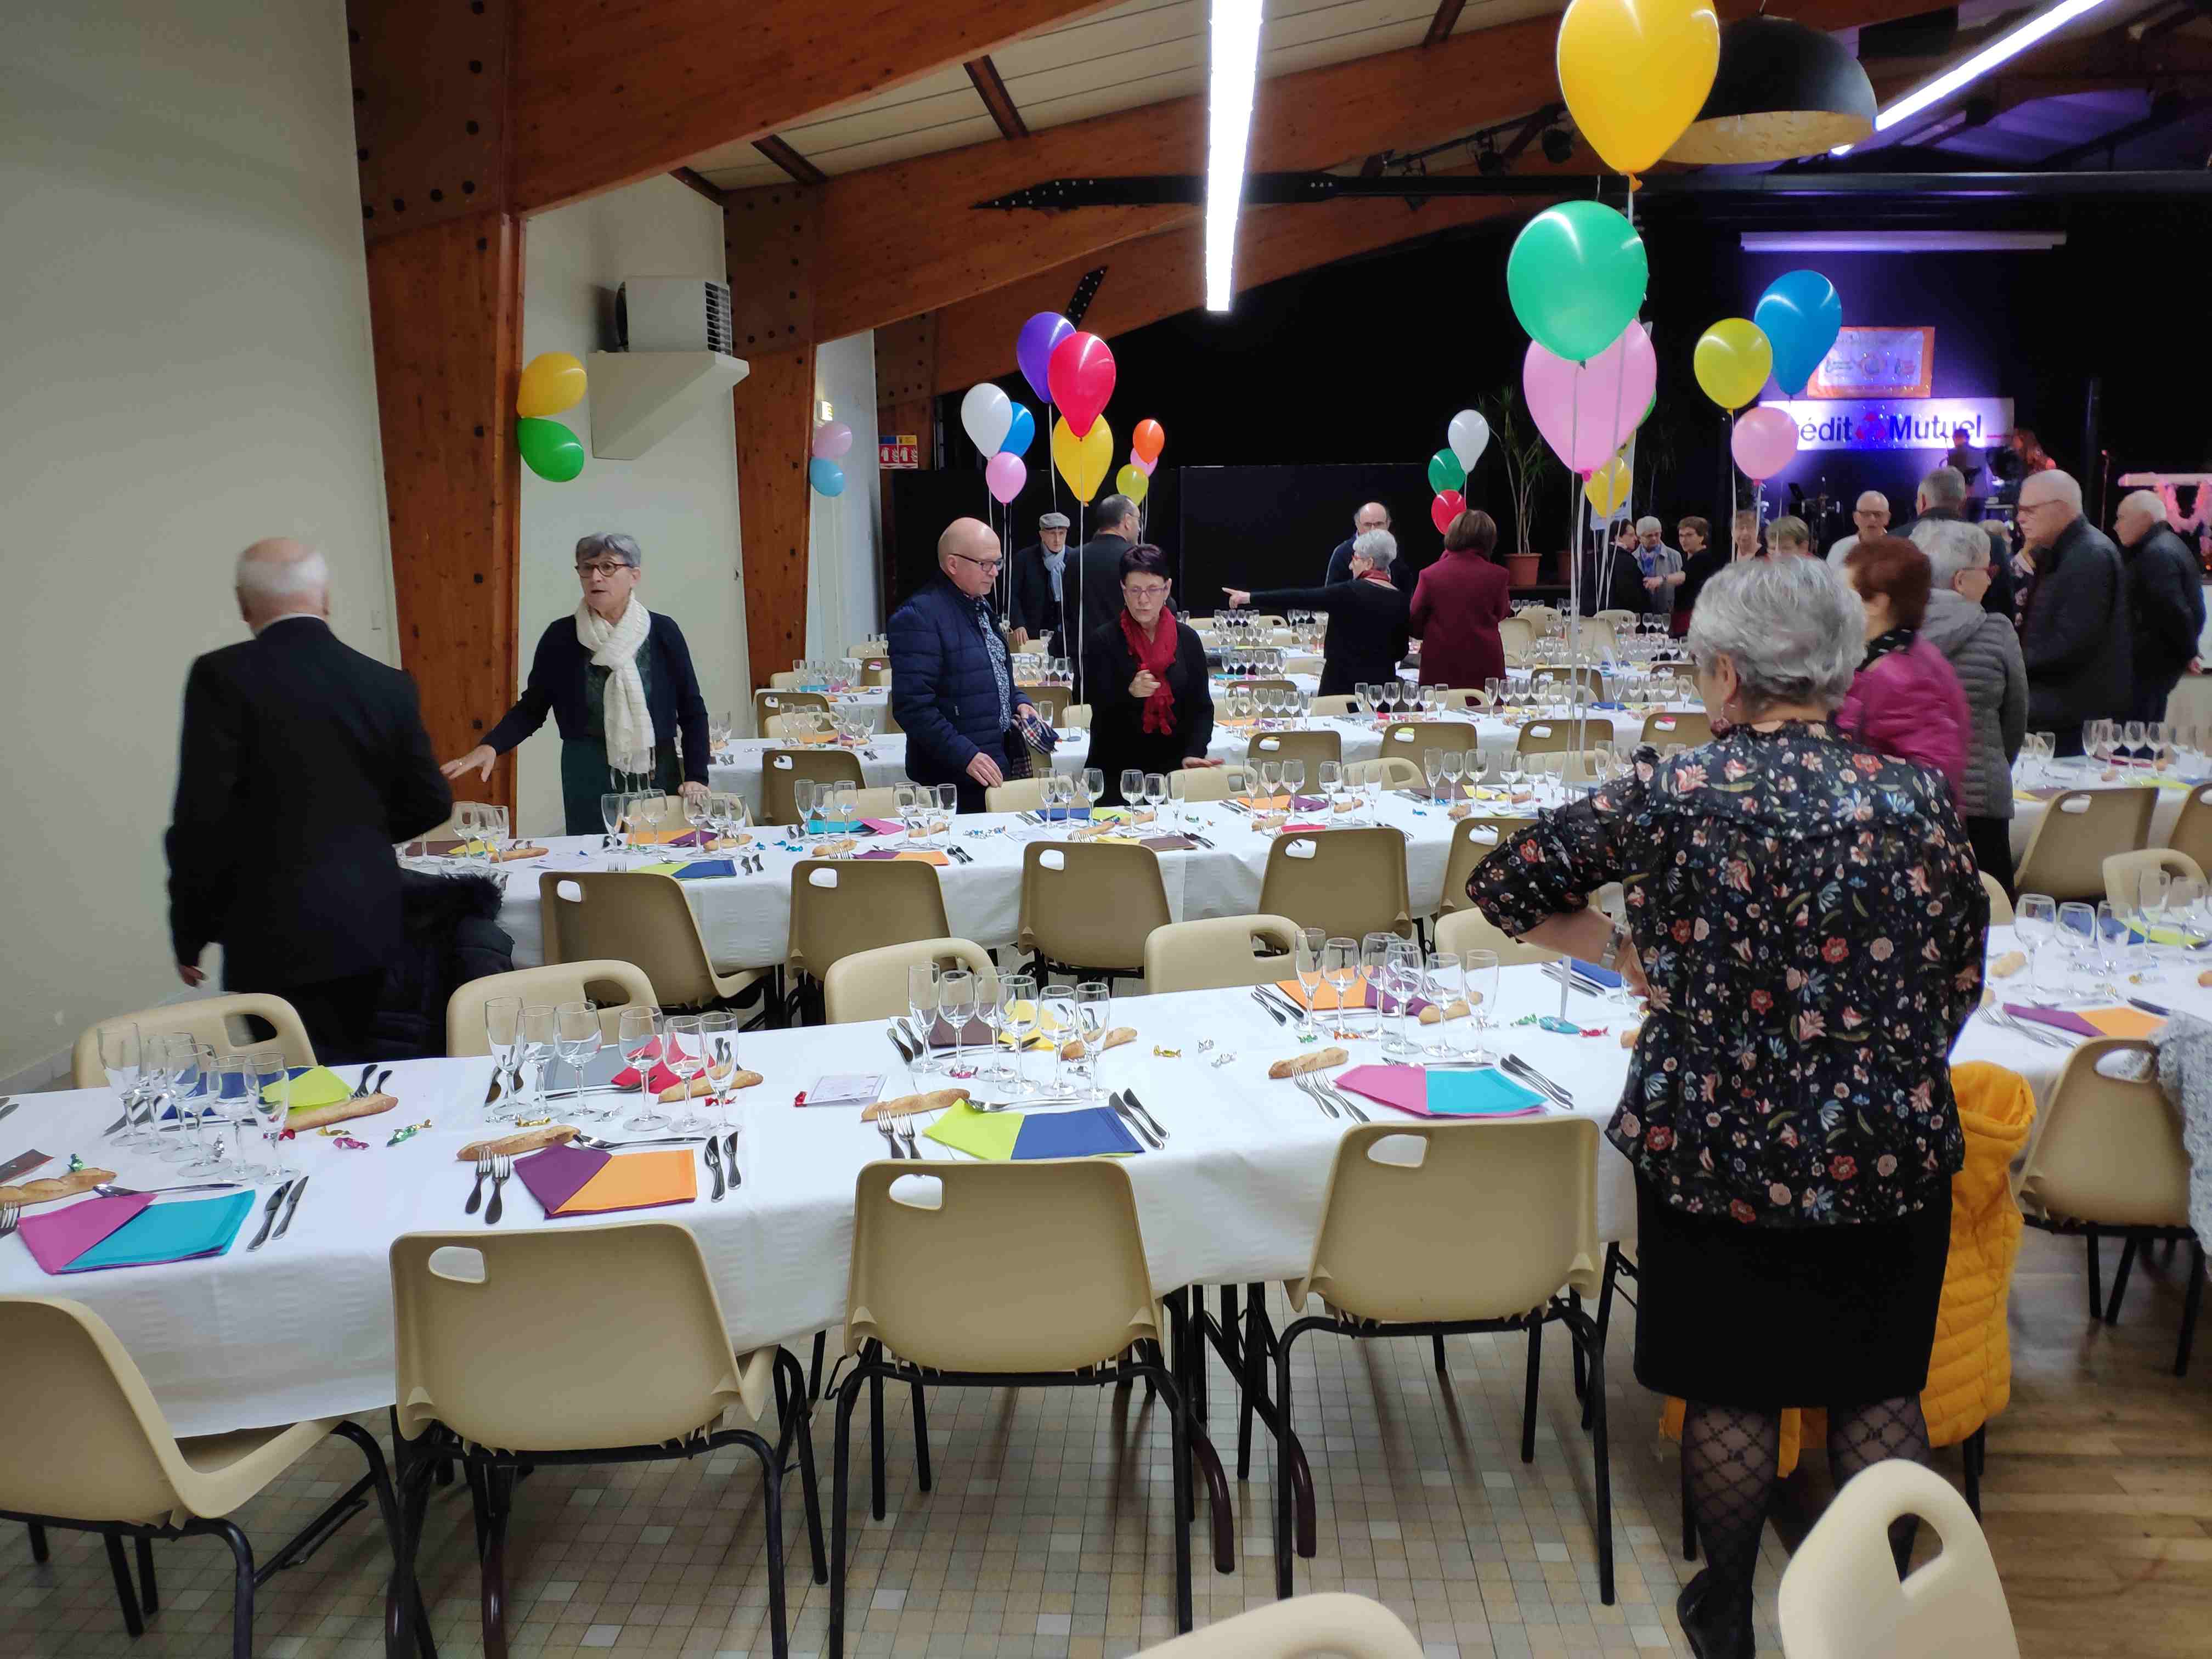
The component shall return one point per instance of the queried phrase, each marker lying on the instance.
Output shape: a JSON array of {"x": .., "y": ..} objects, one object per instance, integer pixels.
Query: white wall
[
  {"x": 679, "y": 499},
  {"x": 184, "y": 337},
  {"x": 844, "y": 534}
]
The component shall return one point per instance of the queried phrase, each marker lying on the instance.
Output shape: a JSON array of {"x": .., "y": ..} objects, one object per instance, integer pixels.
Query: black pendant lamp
[{"x": 1783, "y": 90}]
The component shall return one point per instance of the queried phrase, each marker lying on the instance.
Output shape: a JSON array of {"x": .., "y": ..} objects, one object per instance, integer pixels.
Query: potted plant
[{"x": 1528, "y": 462}]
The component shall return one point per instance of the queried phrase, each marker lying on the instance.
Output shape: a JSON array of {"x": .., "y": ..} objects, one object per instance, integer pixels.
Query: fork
[
  {"x": 501, "y": 1167},
  {"x": 476, "y": 1193},
  {"x": 906, "y": 1133},
  {"x": 9, "y": 1215},
  {"x": 1342, "y": 1098},
  {"x": 890, "y": 1140},
  {"x": 1307, "y": 1089}
]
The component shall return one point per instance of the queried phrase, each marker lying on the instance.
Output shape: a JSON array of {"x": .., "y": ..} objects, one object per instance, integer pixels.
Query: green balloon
[
  {"x": 1446, "y": 472},
  {"x": 1577, "y": 276},
  {"x": 552, "y": 452}
]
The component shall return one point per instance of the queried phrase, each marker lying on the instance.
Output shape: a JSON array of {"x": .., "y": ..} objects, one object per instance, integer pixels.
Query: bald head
[
  {"x": 1871, "y": 514},
  {"x": 968, "y": 553},
  {"x": 1372, "y": 516},
  {"x": 281, "y": 577},
  {"x": 2049, "y": 502},
  {"x": 2139, "y": 514}
]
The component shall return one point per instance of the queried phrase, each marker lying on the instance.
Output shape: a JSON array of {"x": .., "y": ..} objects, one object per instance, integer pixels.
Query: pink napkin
[
  {"x": 2057, "y": 1018},
  {"x": 1406, "y": 1088},
  {"x": 558, "y": 1174},
  {"x": 885, "y": 826},
  {"x": 1303, "y": 829},
  {"x": 57, "y": 1238},
  {"x": 662, "y": 1077}
]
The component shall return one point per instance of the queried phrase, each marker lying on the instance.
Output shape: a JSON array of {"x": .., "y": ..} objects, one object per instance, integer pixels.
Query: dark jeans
[
  {"x": 339, "y": 1014},
  {"x": 1992, "y": 840}
]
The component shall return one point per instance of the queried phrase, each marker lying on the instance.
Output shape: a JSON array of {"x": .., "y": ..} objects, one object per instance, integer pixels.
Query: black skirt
[{"x": 1766, "y": 1318}]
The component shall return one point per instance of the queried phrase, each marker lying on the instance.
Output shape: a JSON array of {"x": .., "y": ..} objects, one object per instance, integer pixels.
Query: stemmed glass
[
  {"x": 991, "y": 1009},
  {"x": 699, "y": 813},
  {"x": 1401, "y": 980},
  {"x": 1455, "y": 768},
  {"x": 269, "y": 1086},
  {"x": 2151, "y": 887},
  {"x": 192, "y": 1064},
  {"x": 955, "y": 1000},
  {"x": 1432, "y": 765},
  {"x": 922, "y": 1001},
  {"x": 717, "y": 1039},
  {"x": 683, "y": 1051},
  {"x": 1373, "y": 958},
  {"x": 231, "y": 1081},
  {"x": 502, "y": 1035},
  {"x": 1331, "y": 783},
  {"x": 1271, "y": 784},
  {"x": 540, "y": 1041},
  {"x": 948, "y": 808},
  {"x": 2035, "y": 918},
  {"x": 1156, "y": 793},
  {"x": 1308, "y": 951},
  {"x": 1339, "y": 966},
  {"x": 1441, "y": 980},
  {"x": 576, "y": 1038},
  {"x": 634, "y": 1031},
  {"x": 1094, "y": 787},
  {"x": 1479, "y": 980},
  {"x": 2077, "y": 932},
  {"x": 2184, "y": 896},
  {"x": 1132, "y": 785},
  {"x": 614, "y": 809},
  {"x": 120, "y": 1062},
  {"x": 1294, "y": 780},
  {"x": 2111, "y": 946},
  {"x": 1094, "y": 1010},
  {"x": 1018, "y": 1018},
  {"x": 802, "y": 806},
  {"x": 1059, "y": 1022}
]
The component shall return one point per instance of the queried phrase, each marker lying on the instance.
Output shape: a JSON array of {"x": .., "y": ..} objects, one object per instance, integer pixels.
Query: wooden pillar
[{"x": 906, "y": 401}]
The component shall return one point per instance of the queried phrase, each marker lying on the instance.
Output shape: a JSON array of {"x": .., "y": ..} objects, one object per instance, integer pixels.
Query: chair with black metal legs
[{"x": 102, "y": 1459}]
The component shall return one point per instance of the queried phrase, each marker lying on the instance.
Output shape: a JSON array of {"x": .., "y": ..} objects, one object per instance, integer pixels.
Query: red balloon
[
  {"x": 1446, "y": 507},
  {"x": 1080, "y": 372},
  {"x": 1147, "y": 440}
]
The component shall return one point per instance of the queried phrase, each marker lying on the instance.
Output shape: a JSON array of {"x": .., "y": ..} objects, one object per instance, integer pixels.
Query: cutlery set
[
  {"x": 1997, "y": 1015},
  {"x": 286, "y": 1197}
]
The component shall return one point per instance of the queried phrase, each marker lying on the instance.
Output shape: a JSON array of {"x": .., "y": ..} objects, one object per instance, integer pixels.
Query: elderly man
[
  {"x": 952, "y": 684},
  {"x": 2165, "y": 600},
  {"x": 302, "y": 763},
  {"x": 1662, "y": 566},
  {"x": 1095, "y": 601},
  {"x": 1039, "y": 569},
  {"x": 1983, "y": 652},
  {"x": 1942, "y": 498},
  {"x": 2074, "y": 630},
  {"x": 1871, "y": 515},
  {"x": 1372, "y": 516},
  {"x": 1367, "y": 615}
]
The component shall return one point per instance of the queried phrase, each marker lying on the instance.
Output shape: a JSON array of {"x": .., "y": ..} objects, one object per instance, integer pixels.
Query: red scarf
[{"x": 1153, "y": 656}]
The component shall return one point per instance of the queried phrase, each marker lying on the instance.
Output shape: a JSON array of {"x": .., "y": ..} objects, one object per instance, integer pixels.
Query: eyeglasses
[
  {"x": 603, "y": 568},
  {"x": 1145, "y": 590},
  {"x": 981, "y": 564}
]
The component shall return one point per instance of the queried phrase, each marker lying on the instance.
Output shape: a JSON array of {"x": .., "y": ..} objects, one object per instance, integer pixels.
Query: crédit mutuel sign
[{"x": 1897, "y": 422}]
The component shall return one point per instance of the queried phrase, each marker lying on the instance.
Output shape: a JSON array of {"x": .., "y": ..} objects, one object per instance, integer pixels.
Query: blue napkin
[
  {"x": 837, "y": 827},
  {"x": 200, "y": 1089},
  {"x": 705, "y": 869},
  {"x": 1485, "y": 1093},
  {"x": 1064, "y": 814},
  {"x": 170, "y": 1232},
  {"x": 1074, "y": 1134},
  {"x": 1591, "y": 971}
]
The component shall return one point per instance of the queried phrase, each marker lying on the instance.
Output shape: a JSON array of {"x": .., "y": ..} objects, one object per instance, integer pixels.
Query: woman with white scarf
[{"x": 619, "y": 681}]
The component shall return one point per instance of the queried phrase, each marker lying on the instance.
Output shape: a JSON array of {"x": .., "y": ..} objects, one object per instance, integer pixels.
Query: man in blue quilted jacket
[{"x": 952, "y": 684}]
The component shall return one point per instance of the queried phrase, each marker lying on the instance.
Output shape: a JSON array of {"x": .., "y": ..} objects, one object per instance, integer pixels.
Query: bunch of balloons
[
  {"x": 552, "y": 381},
  {"x": 1145, "y": 442},
  {"x": 1794, "y": 322},
  {"x": 832, "y": 439},
  {"x": 1465, "y": 439}
]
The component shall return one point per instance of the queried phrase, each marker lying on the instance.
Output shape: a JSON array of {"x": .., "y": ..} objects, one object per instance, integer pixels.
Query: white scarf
[{"x": 628, "y": 722}]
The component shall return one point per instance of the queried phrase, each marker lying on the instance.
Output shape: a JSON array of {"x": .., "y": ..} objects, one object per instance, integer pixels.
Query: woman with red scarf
[{"x": 1151, "y": 707}]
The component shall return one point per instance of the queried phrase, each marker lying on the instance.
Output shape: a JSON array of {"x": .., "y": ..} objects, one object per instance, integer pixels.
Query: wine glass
[
  {"x": 1401, "y": 980},
  {"x": 1132, "y": 785},
  {"x": 1308, "y": 950},
  {"x": 230, "y": 1081},
  {"x": 1060, "y": 1024},
  {"x": 1454, "y": 768},
  {"x": 2131, "y": 739},
  {"x": 1271, "y": 784},
  {"x": 636, "y": 1033},
  {"x": 1373, "y": 957},
  {"x": 2035, "y": 918},
  {"x": 120, "y": 1062},
  {"x": 948, "y": 808},
  {"x": 1018, "y": 1018},
  {"x": 1339, "y": 966},
  {"x": 540, "y": 1043},
  {"x": 192, "y": 1065},
  {"x": 802, "y": 806},
  {"x": 1441, "y": 983},
  {"x": 1330, "y": 779},
  {"x": 269, "y": 1086},
  {"x": 2184, "y": 895},
  {"x": 922, "y": 1000},
  {"x": 955, "y": 1000},
  {"x": 2077, "y": 935},
  {"x": 683, "y": 1051},
  {"x": 613, "y": 809},
  {"x": 1156, "y": 793},
  {"x": 991, "y": 1009},
  {"x": 699, "y": 813},
  {"x": 576, "y": 1036},
  {"x": 502, "y": 1035},
  {"x": 1094, "y": 786},
  {"x": 1294, "y": 780},
  {"x": 717, "y": 1039},
  {"x": 1432, "y": 765},
  {"x": 1094, "y": 1010}
]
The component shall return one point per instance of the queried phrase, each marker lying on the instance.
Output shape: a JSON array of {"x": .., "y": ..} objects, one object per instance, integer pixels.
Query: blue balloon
[
  {"x": 826, "y": 476},
  {"x": 1801, "y": 315},
  {"x": 1019, "y": 433}
]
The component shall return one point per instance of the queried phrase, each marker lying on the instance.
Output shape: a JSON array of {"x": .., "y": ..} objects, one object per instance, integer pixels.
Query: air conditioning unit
[{"x": 673, "y": 313}]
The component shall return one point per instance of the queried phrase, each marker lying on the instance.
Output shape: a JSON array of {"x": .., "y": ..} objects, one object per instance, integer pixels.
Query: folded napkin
[
  {"x": 1169, "y": 843},
  {"x": 975, "y": 1035},
  {"x": 885, "y": 826},
  {"x": 318, "y": 1086},
  {"x": 57, "y": 1238},
  {"x": 148, "y": 1235},
  {"x": 1067, "y": 814},
  {"x": 909, "y": 856},
  {"x": 667, "y": 869},
  {"x": 1324, "y": 1000},
  {"x": 661, "y": 837},
  {"x": 1484, "y": 1093},
  {"x": 988, "y": 1135},
  {"x": 1589, "y": 970},
  {"x": 2089, "y": 1022},
  {"x": 1283, "y": 803},
  {"x": 841, "y": 827},
  {"x": 1096, "y": 1131},
  {"x": 583, "y": 1181},
  {"x": 1302, "y": 829},
  {"x": 662, "y": 1078},
  {"x": 704, "y": 870}
]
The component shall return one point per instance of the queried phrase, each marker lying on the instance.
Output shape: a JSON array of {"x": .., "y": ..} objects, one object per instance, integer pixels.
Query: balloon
[
  {"x": 1020, "y": 434},
  {"x": 1447, "y": 506},
  {"x": 1586, "y": 411},
  {"x": 1469, "y": 435},
  {"x": 826, "y": 476},
  {"x": 1141, "y": 464},
  {"x": 1146, "y": 441},
  {"x": 1635, "y": 73},
  {"x": 1082, "y": 461},
  {"x": 831, "y": 439},
  {"x": 1446, "y": 472},
  {"x": 1576, "y": 276},
  {"x": 1005, "y": 475},
  {"x": 1132, "y": 483},
  {"x": 1765, "y": 441},
  {"x": 1033, "y": 349},
  {"x": 550, "y": 448},
  {"x": 1732, "y": 362},
  {"x": 1800, "y": 313},
  {"x": 987, "y": 413},
  {"x": 1081, "y": 375},
  {"x": 552, "y": 381},
  {"x": 1606, "y": 488}
]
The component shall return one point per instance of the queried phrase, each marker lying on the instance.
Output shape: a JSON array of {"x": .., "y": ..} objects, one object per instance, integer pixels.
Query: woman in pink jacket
[{"x": 1906, "y": 699}]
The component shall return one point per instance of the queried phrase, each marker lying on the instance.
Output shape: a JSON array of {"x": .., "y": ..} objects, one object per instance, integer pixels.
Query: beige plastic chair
[
  {"x": 769, "y": 699},
  {"x": 785, "y": 681},
  {"x": 2066, "y": 852},
  {"x": 1617, "y": 618},
  {"x": 1553, "y": 674},
  {"x": 1353, "y": 884},
  {"x": 1518, "y": 637},
  {"x": 1021, "y": 795},
  {"x": 1391, "y": 771},
  {"x": 2193, "y": 829},
  {"x": 638, "y": 916},
  {"x": 876, "y": 801},
  {"x": 1049, "y": 700},
  {"x": 1546, "y": 616},
  {"x": 1203, "y": 956},
  {"x": 2000, "y": 905},
  {"x": 872, "y": 984},
  {"x": 2108, "y": 1158},
  {"x": 875, "y": 674},
  {"x": 614, "y": 987},
  {"x": 817, "y": 765},
  {"x": 485, "y": 1378},
  {"x": 1304, "y": 1628},
  {"x": 1434, "y": 1229},
  {"x": 1411, "y": 739},
  {"x": 2123, "y": 872},
  {"x": 1840, "y": 1596},
  {"x": 92, "y": 1452},
  {"x": 1473, "y": 840},
  {"x": 1554, "y": 735},
  {"x": 1468, "y": 929},
  {"x": 1076, "y": 717},
  {"x": 1210, "y": 783},
  {"x": 1595, "y": 635},
  {"x": 1690, "y": 727},
  {"x": 1335, "y": 703},
  {"x": 219, "y": 1022},
  {"x": 1467, "y": 698},
  {"x": 1094, "y": 911},
  {"x": 1310, "y": 747},
  {"x": 840, "y": 907}
]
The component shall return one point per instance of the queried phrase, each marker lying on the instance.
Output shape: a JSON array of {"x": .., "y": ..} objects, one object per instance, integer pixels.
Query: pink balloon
[
  {"x": 1005, "y": 475},
  {"x": 1141, "y": 464},
  {"x": 1765, "y": 441},
  {"x": 1080, "y": 372},
  {"x": 831, "y": 439},
  {"x": 1586, "y": 411}
]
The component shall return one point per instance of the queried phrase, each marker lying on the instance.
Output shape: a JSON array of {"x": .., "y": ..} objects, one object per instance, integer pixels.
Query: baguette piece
[
  {"x": 703, "y": 1084},
  {"x": 1434, "y": 1015},
  {"x": 340, "y": 1111},
  {"x": 530, "y": 1140},
  {"x": 46, "y": 1191},
  {"x": 1073, "y": 1048},
  {"x": 2009, "y": 964},
  {"x": 513, "y": 853},
  {"x": 936, "y": 1100},
  {"x": 1319, "y": 1059}
]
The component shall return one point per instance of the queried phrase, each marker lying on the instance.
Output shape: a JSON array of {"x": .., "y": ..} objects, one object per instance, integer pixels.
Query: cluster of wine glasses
[
  {"x": 1139, "y": 787},
  {"x": 1389, "y": 697},
  {"x": 1270, "y": 704},
  {"x": 2145, "y": 743},
  {"x": 1240, "y": 661},
  {"x": 1399, "y": 977},
  {"x": 824, "y": 808},
  {"x": 482, "y": 828},
  {"x": 187, "y": 1105},
  {"x": 827, "y": 673},
  {"x": 2154, "y": 921},
  {"x": 952, "y": 1010},
  {"x": 1071, "y": 795},
  {"x": 927, "y": 811},
  {"x": 533, "y": 1037},
  {"x": 1035, "y": 668}
]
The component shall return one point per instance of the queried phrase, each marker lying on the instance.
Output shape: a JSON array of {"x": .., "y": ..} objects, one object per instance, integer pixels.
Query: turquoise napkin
[
  {"x": 1485, "y": 1093},
  {"x": 171, "y": 1232}
]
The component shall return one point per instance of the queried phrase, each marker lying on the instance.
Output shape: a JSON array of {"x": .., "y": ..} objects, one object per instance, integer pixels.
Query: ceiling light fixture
[
  {"x": 2000, "y": 51},
  {"x": 1783, "y": 90},
  {"x": 1236, "y": 68},
  {"x": 1559, "y": 147}
]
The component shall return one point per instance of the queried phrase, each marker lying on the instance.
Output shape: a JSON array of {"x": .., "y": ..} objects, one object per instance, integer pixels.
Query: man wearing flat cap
[{"x": 1038, "y": 569}]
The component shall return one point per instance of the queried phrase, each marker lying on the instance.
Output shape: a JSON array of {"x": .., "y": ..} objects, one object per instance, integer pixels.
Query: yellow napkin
[
  {"x": 1047, "y": 1027},
  {"x": 985, "y": 1135},
  {"x": 319, "y": 1087},
  {"x": 638, "y": 1180}
]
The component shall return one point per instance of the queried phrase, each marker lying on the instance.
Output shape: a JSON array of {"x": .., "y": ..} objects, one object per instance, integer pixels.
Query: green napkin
[
  {"x": 668, "y": 869},
  {"x": 320, "y": 1087},
  {"x": 988, "y": 1135}
]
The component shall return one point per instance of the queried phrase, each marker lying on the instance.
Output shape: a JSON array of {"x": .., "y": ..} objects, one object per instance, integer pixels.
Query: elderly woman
[
  {"x": 1807, "y": 920},
  {"x": 617, "y": 679},
  {"x": 1790, "y": 538},
  {"x": 1983, "y": 652},
  {"x": 1458, "y": 604},
  {"x": 1701, "y": 563},
  {"x": 1904, "y": 699},
  {"x": 1151, "y": 706},
  {"x": 1367, "y": 615}
]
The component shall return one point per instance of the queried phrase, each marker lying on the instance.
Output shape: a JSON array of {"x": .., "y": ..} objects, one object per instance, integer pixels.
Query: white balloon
[
  {"x": 1469, "y": 436},
  {"x": 987, "y": 413}
]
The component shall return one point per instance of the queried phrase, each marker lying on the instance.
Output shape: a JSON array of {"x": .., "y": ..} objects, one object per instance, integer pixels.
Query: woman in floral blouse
[{"x": 1806, "y": 916}]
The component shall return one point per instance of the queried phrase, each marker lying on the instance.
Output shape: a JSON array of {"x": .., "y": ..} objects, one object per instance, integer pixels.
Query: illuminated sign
[
  {"x": 900, "y": 450},
  {"x": 1877, "y": 363},
  {"x": 1898, "y": 422}
]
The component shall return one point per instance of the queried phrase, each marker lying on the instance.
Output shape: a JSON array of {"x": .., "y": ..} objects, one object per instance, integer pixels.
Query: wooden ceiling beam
[
  {"x": 983, "y": 74},
  {"x": 802, "y": 170}
]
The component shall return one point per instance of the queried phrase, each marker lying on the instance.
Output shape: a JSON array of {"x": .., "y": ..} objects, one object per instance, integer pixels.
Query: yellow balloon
[
  {"x": 552, "y": 381},
  {"x": 1635, "y": 73},
  {"x": 1082, "y": 461},
  {"x": 1132, "y": 483},
  {"x": 1732, "y": 360},
  {"x": 1606, "y": 488}
]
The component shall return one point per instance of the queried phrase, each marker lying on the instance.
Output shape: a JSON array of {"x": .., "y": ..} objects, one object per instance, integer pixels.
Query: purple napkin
[
  {"x": 1308, "y": 803},
  {"x": 558, "y": 1174},
  {"x": 1169, "y": 843},
  {"x": 976, "y": 1034},
  {"x": 57, "y": 1238},
  {"x": 2057, "y": 1018}
]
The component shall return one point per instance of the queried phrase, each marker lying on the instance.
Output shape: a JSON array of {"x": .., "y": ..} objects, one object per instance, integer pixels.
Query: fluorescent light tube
[
  {"x": 1236, "y": 67},
  {"x": 2000, "y": 51}
]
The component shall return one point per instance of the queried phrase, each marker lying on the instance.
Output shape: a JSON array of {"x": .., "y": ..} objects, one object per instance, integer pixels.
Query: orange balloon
[{"x": 1147, "y": 440}]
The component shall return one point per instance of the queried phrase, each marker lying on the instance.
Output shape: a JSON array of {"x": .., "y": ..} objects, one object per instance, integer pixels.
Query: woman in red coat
[{"x": 1457, "y": 606}]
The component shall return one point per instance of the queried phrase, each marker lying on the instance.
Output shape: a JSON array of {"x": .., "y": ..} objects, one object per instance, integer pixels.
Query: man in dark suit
[
  {"x": 303, "y": 762},
  {"x": 1942, "y": 495},
  {"x": 1039, "y": 571},
  {"x": 2165, "y": 600},
  {"x": 2075, "y": 635},
  {"x": 1372, "y": 516},
  {"x": 1095, "y": 600}
]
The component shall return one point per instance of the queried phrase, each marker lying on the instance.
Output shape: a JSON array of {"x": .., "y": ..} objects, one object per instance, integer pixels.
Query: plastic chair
[
  {"x": 1518, "y": 637},
  {"x": 1312, "y": 747},
  {"x": 1203, "y": 956},
  {"x": 218, "y": 1021},
  {"x": 1690, "y": 727},
  {"x": 818, "y": 766},
  {"x": 614, "y": 987},
  {"x": 2192, "y": 830},
  {"x": 1352, "y": 883},
  {"x": 1010, "y": 1275},
  {"x": 1303, "y": 1628},
  {"x": 786, "y": 681},
  {"x": 1617, "y": 618},
  {"x": 1551, "y": 673},
  {"x": 1391, "y": 771},
  {"x": 638, "y": 916},
  {"x": 1595, "y": 635},
  {"x": 1410, "y": 740},
  {"x": 840, "y": 907},
  {"x": 1049, "y": 700},
  {"x": 1554, "y": 734},
  {"x": 1076, "y": 716},
  {"x": 1545, "y": 616},
  {"x": 1477, "y": 1233},
  {"x": 1021, "y": 795},
  {"x": 771, "y": 701},
  {"x": 1334, "y": 703},
  {"x": 1840, "y": 1596},
  {"x": 1473, "y": 840},
  {"x": 2079, "y": 830},
  {"x": 2123, "y": 872},
  {"x": 1088, "y": 906},
  {"x": 94, "y": 1453},
  {"x": 871, "y": 985},
  {"x": 1210, "y": 783},
  {"x": 486, "y": 1379},
  {"x": 1999, "y": 901},
  {"x": 2108, "y": 1159}
]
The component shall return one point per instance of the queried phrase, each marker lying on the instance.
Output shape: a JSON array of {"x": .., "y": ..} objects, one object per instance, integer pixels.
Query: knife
[
  {"x": 1130, "y": 1095},
  {"x": 1528, "y": 1074},
  {"x": 1120, "y": 1105},
  {"x": 1282, "y": 1000},
  {"x": 269, "y": 1216},
  {"x": 298, "y": 1188},
  {"x": 2133, "y": 1002},
  {"x": 714, "y": 1163},
  {"x": 8, "y": 1106},
  {"x": 1273, "y": 1013},
  {"x": 729, "y": 1157},
  {"x": 21, "y": 1164}
]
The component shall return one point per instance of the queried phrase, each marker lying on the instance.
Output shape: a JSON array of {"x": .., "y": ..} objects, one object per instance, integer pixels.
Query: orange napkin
[
  {"x": 930, "y": 857},
  {"x": 2122, "y": 1022},
  {"x": 1271, "y": 803},
  {"x": 1324, "y": 1000},
  {"x": 638, "y": 1180},
  {"x": 656, "y": 837}
]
